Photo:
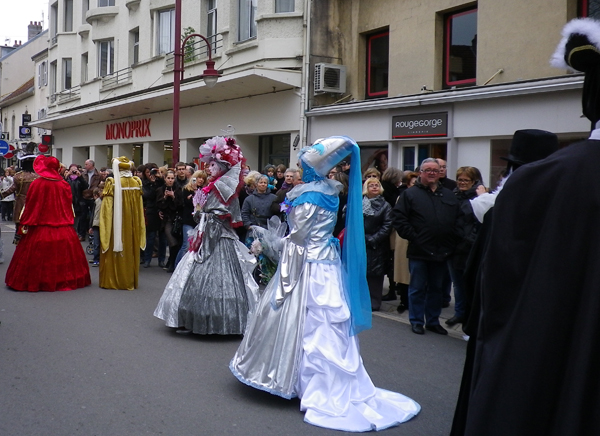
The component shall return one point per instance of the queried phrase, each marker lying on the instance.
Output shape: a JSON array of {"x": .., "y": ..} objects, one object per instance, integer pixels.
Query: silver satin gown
[
  {"x": 298, "y": 343},
  {"x": 212, "y": 290}
]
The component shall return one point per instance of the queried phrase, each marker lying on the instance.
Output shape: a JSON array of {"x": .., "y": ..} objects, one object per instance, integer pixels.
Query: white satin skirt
[{"x": 320, "y": 363}]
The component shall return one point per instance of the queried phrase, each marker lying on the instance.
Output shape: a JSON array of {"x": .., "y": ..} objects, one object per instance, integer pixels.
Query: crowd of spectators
[{"x": 399, "y": 236}]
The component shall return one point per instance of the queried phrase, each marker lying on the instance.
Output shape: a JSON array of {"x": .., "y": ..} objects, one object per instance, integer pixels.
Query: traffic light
[{"x": 47, "y": 140}]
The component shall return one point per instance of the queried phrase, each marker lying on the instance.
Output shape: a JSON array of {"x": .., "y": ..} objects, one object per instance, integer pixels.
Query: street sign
[
  {"x": 11, "y": 153},
  {"x": 24, "y": 132},
  {"x": 26, "y": 118},
  {"x": 4, "y": 147},
  {"x": 5, "y": 136},
  {"x": 43, "y": 148}
]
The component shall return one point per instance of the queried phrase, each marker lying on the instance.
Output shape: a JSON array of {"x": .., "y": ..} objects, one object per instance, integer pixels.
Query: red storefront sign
[{"x": 128, "y": 129}]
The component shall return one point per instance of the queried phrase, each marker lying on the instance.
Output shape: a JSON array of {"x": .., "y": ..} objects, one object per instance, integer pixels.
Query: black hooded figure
[{"x": 535, "y": 359}]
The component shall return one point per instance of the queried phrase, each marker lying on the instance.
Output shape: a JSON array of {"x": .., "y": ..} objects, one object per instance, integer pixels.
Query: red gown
[{"x": 49, "y": 256}]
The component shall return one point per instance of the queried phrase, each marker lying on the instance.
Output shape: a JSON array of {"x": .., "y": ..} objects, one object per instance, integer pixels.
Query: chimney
[{"x": 34, "y": 28}]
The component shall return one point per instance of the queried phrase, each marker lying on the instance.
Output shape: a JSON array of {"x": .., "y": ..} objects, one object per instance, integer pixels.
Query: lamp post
[{"x": 210, "y": 75}]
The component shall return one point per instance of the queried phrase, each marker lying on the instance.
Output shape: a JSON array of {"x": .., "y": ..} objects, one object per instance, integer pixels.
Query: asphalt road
[{"x": 96, "y": 362}]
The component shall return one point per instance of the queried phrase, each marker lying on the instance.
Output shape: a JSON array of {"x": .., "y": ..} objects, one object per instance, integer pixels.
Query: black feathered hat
[
  {"x": 579, "y": 50},
  {"x": 531, "y": 145}
]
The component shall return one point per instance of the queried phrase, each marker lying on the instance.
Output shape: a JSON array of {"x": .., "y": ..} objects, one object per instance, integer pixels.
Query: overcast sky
[{"x": 15, "y": 16}]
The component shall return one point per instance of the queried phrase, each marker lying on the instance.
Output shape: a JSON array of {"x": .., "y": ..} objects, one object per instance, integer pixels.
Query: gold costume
[{"x": 120, "y": 269}]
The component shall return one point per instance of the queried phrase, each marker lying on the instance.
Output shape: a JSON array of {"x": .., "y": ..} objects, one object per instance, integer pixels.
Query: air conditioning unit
[{"x": 330, "y": 78}]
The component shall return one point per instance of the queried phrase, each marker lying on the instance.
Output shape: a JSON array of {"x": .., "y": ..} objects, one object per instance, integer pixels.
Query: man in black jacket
[{"x": 426, "y": 215}]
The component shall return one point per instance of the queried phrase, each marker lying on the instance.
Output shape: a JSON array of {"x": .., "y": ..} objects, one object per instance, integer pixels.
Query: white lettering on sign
[{"x": 413, "y": 124}]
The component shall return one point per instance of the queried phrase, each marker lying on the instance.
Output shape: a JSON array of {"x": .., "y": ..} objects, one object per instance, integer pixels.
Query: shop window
[
  {"x": 68, "y": 16},
  {"x": 460, "y": 49},
  {"x": 588, "y": 8},
  {"x": 274, "y": 149},
  {"x": 67, "y": 65},
  {"x": 408, "y": 159},
  {"x": 166, "y": 31},
  {"x": 106, "y": 57},
  {"x": 284, "y": 6},
  {"x": 378, "y": 55},
  {"x": 211, "y": 23},
  {"x": 247, "y": 19}
]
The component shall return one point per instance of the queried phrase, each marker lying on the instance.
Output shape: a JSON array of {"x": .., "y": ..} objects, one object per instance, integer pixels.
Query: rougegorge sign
[{"x": 420, "y": 125}]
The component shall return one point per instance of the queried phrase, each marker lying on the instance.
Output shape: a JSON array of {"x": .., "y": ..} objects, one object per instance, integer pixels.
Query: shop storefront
[{"x": 471, "y": 126}]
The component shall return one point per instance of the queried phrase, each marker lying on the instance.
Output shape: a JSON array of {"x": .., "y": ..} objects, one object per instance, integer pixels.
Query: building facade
[
  {"x": 443, "y": 78},
  {"x": 21, "y": 95},
  {"x": 110, "y": 74}
]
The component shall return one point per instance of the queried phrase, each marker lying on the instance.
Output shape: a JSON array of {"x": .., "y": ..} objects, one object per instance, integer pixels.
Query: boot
[
  {"x": 391, "y": 295},
  {"x": 402, "y": 289}
]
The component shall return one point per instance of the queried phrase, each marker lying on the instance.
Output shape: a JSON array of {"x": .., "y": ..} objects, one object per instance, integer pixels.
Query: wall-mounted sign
[
  {"x": 128, "y": 129},
  {"x": 24, "y": 132},
  {"x": 420, "y": 125},
  {"x": 26, "y": 118}
]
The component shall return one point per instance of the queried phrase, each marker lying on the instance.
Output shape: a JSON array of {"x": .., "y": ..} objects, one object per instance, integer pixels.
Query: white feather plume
[{"x": 583, "y": 26}]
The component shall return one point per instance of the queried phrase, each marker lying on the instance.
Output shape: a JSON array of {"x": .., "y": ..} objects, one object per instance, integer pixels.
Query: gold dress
[{"x": 120, "y": 269}]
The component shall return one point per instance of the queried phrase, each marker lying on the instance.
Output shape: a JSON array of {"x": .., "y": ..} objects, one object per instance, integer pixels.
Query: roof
[{"x": 25, "y": 90}]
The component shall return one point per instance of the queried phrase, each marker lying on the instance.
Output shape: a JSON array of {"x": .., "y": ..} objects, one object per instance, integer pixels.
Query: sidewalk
[{"x": 388, "y": 310}]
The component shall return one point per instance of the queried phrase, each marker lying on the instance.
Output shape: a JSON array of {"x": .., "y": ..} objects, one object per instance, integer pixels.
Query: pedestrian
[
  {"x": 377, "y": 216},
  {"x": 279, "y": 176},
  {"x": 468, "y": 181},
  {"x": 122, "y": 228},
  {"x": 49, "y": 256},
  {"x": 270, "y": 171},
  {"x": 187, "y": 215},
  {"x": 426, "y": 215},
  {"x": 152, "y": 180},
  {"x": 8, "y": 201},
  {"x": 212, "y": 290},
  {"x": 391, "y": 180},
  {"x": 286, "y": 186},
  {"x": 95, "y": 227},
  {"x": 256, "y": 210},
  {"x": 303, "y": 340},
  {"x": 169, "y": 201},
  {"x": 78, "y": 185}
]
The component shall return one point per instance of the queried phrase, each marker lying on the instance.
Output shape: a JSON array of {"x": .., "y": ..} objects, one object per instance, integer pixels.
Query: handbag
[{"x": 177, "y": 228}]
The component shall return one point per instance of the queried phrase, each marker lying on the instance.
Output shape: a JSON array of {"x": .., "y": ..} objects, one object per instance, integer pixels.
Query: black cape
[{"x": 536, "y": 357}]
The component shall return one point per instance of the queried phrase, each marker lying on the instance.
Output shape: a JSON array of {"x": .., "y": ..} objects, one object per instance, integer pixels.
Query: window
[
  {"x": 54, "y": 20},
  {"x": 588, "y": 8},
  {"x": 104, "y": 3},
  {"x": 274, "y": 149},
  {"x": 247, "y": 17},
  {"x": 84, "y": 68},
  {"x": 67, "y": 66},
  {"x": 106, "y": 57},
  {"x": 68, "y": 15},
  {"x": 42, "y": 74},
  {"x": 284, "y": 6},
  {"x": 211, "y": 25},
  {"x": 166, "y": 31},
  {"x": 460, "y": 49},
  {"x": 378, "y": 49},
  {"x": 42, "y": 113},
  {"x": 85, "y": 6},
  {"x": 134, "y": 52},
  {"x": 53, "y": 78}
]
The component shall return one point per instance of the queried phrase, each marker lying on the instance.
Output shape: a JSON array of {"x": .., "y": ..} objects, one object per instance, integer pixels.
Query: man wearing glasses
[{"x": 426, "y": 215}]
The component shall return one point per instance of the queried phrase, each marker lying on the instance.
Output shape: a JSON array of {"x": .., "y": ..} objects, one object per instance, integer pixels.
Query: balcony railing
[
  {"x": 195, "y": 50},
  {"x": 117, "y": 78},
  {"x": 66, "y": 94}
]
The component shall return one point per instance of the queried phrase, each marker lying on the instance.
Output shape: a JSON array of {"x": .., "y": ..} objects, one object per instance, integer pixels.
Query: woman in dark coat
[
  {"x": 256, "y": 210},
  {"x": 169, "y": 201},
  {"x": 78, "y": 185},
  {"x": 377, "y": 214},
  {"x": 391, "y": 180},
  {"x": 151, "y": 181},
  {"x": 468, "y": 179}
]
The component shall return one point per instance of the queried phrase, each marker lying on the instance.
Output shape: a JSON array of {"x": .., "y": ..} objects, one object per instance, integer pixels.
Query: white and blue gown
[{"x": 299, "y": 342}]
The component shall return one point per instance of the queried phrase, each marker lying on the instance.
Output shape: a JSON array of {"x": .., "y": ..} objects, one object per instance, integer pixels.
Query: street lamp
[{"x": 210, "y": 75}]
